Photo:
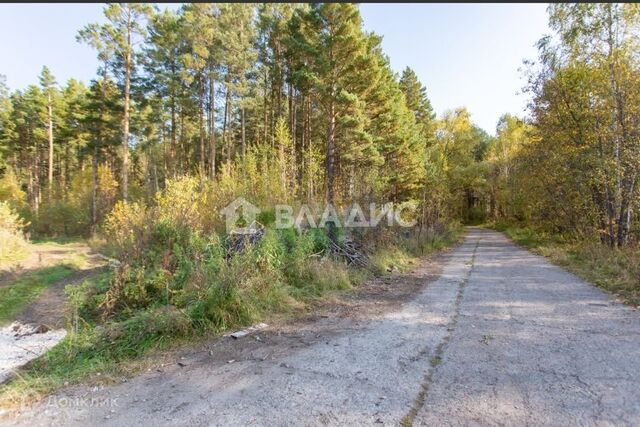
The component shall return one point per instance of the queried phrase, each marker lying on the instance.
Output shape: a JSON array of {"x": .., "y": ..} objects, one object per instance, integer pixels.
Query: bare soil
[{"x": 41, "y": 255}]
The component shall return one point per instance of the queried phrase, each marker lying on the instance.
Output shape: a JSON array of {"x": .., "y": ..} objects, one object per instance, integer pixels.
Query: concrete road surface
[{"x": 502, "y": 337}]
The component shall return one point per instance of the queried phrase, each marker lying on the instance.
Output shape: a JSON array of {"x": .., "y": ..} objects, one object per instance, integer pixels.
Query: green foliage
[
  {"x": 284, "y": 103},
  {"x": 10, "y": 190},
  {"x": 395, "y": 252},
  {"x": 419, "y": 104},
  {"x": 585, "y": 95},
  {"x": 11, "y": 234},
  {"x": 216, "y": 93},
  {"x": 169, "y": 258},
  {"x": 61, "y": 218}
]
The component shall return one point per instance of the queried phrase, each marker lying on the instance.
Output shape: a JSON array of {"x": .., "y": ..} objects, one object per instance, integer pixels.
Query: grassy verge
[
  {"x": 15, "y": 297},
  {"x": 287, "y": 284},
  {"x": 403, "y": 254},
  {"x": 612, "y": 269},
  {"x": 62, "y": 240}
]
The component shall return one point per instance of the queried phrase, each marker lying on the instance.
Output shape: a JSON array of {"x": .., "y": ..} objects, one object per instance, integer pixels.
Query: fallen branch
[
  {"x": 239, "y": 240},
  {"x": 350, "y": 251}
]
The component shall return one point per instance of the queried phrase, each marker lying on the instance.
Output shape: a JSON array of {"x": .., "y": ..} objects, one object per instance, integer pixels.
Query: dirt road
[
  {"x": 46, "y": 314},
  {"x": 502, "y": 337},
  {"x": 41, "y": 255}
]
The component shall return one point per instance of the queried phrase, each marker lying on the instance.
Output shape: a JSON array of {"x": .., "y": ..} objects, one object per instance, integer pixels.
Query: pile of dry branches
[
  {"x": 238, "y": 240},
  {"x": 350, "y": 251}
]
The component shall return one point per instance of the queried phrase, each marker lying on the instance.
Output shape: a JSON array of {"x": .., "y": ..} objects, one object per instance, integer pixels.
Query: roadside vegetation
[
  {"x": 14, "y": 243},
  {"x": 565, "y": 182},
  {"x": 175, "y": 284}
]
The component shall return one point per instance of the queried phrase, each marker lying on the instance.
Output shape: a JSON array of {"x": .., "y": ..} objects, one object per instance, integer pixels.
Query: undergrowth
[
  {"x": 14, "y": 244},
  {"x": 175, "y": 283}
]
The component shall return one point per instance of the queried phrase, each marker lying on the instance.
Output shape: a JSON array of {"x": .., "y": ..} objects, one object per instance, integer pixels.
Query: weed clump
[{"x": 11, "y": 234}]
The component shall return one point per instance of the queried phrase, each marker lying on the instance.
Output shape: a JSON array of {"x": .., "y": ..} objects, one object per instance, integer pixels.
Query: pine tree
[
  {"x": 332, "y": 36},
  {"x": 115, "y": 42},
  {"x": 48, "y": 84},
  {"x": 102, "y": 124},
  {"x": 7, "y": 125},
  {"x": 239, "y": 55},
  {"x": 163, "y": 64},
  {"x": 418, "y": 102},
  {"x": 72, "y": 133}
]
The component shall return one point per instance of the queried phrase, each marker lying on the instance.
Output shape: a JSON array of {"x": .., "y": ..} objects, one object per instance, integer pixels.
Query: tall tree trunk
[
  {"x": 624, "y": 217},
  {"x": 290, "y": 108},
  {"x": 94, "y": 189},
  {"x": 156, "y": 186},
  {"x": 309, "y": 150},
  {"x": 330, "y": 163},
  {"x": 66, "y": 174},
  {"x": 125, "y": 127},
  {"x": 201, "y": 126},
  {"x": 31, "y": 186},
  {"x": 183, "y": 148},
  {"x": 50, "y": 139},
  {"x": 301, "y": 163},
  {"x": 279, "y": 80},
  {"x": 36, "y": 182},
  {"x": 213, "y": 130},
  {"x": 266, "y": 108},
  {"x": 172, "y": 150},
  {"x": 94, "y": 161},
  {"x": 225, "y": 125}
]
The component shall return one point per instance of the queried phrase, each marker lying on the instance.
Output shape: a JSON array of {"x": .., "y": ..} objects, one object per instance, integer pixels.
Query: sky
[{"x": 465, "y": 54}]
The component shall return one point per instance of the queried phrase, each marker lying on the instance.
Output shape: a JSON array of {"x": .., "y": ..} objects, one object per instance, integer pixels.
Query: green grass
[
  {"x": 402, "y": 254},
  {"x": 391, "y": 259},
  {"x": 98, "y": 357},
  {"x": 615, "y": 270},
  {"x": 57, "y": 240},
  {"x": 15, "y": 297}
]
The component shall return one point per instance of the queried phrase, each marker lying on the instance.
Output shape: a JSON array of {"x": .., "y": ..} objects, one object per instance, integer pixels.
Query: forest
[
  {"x": 301, "y": 104},
  {"x": 298, "y": 104}
]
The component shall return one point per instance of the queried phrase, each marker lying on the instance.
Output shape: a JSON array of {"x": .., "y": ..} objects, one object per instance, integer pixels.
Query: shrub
[
  {"x": 182, "y": 202},
  {"x": 11, "y": 234},
  {"x": 11, "y": 192},
  {"x": 127, "y": 228},
  {"x": 116, "y": 340},
  {"x": 69, "y": 214},
  {"x": 173, "y": 261},
  {"x": 61, "y": 218},
  {"x": 312, "y": 278}
]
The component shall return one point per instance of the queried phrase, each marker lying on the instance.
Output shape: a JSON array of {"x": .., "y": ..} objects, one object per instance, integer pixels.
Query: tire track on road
[{"x": 441, "y": 348}]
